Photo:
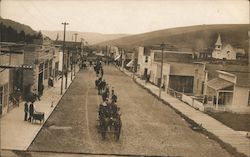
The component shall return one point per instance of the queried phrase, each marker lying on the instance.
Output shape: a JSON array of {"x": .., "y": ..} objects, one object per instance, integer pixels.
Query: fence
[
  {"x": 174, "y": 93},
  {"x": 187, "y": 99}
]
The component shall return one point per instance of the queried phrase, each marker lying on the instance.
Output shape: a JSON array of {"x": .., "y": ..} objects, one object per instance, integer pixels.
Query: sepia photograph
[{"x": 124, "y": 78}]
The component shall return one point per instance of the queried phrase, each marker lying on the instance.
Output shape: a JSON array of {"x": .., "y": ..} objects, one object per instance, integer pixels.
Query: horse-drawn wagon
[
  {"x": 110, "y": 124},
  {"x": 38, "y": 116}
]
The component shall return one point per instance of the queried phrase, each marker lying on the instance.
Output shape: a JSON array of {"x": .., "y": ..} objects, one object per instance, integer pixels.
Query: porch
[{"x": 219, "y": 95}]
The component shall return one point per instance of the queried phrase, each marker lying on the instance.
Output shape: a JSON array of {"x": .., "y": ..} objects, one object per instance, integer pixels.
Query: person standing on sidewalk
[
  {"x": 26, "y": 110},
  {"x": 50, "y": 82},
  {"x": 31, "y": 111}
]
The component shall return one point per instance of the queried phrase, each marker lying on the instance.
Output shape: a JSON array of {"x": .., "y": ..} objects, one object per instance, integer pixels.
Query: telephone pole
[
  {"x": 74, "y": 55},
  {"x": 82, "y": 50},
  {"x": 64, "y": 23},
  {"x": 162, "y": 49}
]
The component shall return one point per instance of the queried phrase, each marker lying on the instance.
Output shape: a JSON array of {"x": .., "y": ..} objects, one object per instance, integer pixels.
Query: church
[{"x": 227, "y": 51}]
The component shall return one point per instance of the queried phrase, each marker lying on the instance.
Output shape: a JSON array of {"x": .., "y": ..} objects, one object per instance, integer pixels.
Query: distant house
[
  {"x": 113, "y": 51},
  {"x": 155, "y": 74},
  {"x": 203, "y": 53},
  {"x": 144, "y": 62},
  {"x": 226, "y": 51},
  {"x": 230, "y": 91}
]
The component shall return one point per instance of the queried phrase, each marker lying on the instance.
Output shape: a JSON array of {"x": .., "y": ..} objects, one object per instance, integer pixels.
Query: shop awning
[
  {"x": 219, "y": 83},
  {"x": 16, "y": 66},
  {"x": 130, "y": 64},
  {"x": 116, "y": 58}
]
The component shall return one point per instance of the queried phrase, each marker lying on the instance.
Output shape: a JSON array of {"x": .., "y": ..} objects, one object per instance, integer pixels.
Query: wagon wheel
[
  {"x": 103, "y": 132},
  {"x": 103, "y": 129},
  {"x": 117, "y": 133}
]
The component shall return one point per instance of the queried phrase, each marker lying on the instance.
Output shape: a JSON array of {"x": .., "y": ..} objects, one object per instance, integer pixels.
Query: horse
[
  {"x": 116, "y": 124},
  {"x": 103, "y": 124}
]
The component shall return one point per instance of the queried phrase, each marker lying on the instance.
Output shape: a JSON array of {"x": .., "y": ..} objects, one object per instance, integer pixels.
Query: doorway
[
  {"x": 145, "y": 73},
  {"x": 40, "y": 82}
]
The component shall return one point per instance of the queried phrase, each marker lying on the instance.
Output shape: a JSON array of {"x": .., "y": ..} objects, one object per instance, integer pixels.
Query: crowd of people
[{"x": 108, "y": 108}]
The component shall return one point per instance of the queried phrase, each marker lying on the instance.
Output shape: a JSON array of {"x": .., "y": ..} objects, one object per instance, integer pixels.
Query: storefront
[{"x": 4, "y": 91}]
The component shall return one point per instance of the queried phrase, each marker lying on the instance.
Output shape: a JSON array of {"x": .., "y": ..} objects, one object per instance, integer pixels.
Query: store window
[
  {"x": 46, "y": 70},
  {"x": 4, "y": 95},
  {"x": 248, "y": 98},
  {"x": 1, "y": 95},
  {"x": 41, "y": 67},
  {"x": 50, "y": 68}
]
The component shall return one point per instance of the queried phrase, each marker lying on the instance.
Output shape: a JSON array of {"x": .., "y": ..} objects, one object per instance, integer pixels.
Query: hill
[
  {"x": 18, "y": 26},
  {"x": 11, "y": 31},
  {"x": 188, "y": 38},
  {"x": 91, "y": 38}
]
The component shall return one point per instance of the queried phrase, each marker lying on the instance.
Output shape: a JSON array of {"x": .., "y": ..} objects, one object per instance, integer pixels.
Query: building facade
[
  {"x": 230, "y": 91},
  {"x": 11, "y": 68},
  {"x": 144, "y": 62},
  {"x": 179, "y": 72},
  {"x": 45, "y": 60}
]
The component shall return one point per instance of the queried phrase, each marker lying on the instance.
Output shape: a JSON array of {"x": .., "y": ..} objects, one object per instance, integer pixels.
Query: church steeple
[{"x": 218, "y": 44}]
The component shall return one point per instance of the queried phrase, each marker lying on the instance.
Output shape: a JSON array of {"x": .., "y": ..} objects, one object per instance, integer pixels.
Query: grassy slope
[{"x": 189, "y": 38}]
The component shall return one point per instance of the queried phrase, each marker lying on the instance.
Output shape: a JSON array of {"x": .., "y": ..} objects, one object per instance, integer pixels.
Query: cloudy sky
[{"x": 124, "y": 16}]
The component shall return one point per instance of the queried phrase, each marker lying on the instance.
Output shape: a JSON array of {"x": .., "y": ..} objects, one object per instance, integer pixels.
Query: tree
[
  {"x": 22, "y": 36},
  {"x": 12, "y": 34},
  {"x": 2, "y": 32}
]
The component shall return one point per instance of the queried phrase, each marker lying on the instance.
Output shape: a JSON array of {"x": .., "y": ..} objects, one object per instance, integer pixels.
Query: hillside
[
  {"x": 91, "y": 38},
  {"x": 18, "y": 26},
  {"x": 189, "y": 38},
  {"x": 11, "y": 31}
]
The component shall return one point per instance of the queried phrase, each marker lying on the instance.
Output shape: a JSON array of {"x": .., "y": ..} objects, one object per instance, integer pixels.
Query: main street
[{"x": 149, "y": 127}]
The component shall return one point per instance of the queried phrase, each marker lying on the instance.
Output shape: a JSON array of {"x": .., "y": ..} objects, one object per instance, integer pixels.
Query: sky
[{"x": 123, "y": 16}]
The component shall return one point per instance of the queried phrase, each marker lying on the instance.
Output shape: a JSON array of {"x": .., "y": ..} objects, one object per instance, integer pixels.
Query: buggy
[
  {"x": 38, "y": 116},
  {"x": 110, "y": 124}
]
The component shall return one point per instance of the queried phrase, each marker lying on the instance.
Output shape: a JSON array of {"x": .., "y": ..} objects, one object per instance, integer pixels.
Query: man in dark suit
[
  {"x": 26, "y": 110},
  {"x": 31, "y": 111}
]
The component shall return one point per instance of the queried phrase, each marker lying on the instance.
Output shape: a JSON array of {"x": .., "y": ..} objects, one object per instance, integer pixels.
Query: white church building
[{"x": 225, "y": 51}]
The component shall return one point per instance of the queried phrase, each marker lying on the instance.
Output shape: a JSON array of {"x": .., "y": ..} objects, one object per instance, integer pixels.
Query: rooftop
[{"x": 243, "y": 78}]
